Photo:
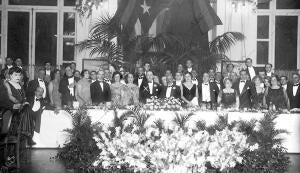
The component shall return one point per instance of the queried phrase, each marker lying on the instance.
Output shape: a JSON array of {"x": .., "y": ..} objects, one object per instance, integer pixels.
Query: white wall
[
  {"x": 242, "y": 20},
  {"x": 84, "y": 25}
]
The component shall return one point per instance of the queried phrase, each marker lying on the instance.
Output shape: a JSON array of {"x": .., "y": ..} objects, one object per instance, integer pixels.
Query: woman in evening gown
[
  {"x": 16, "y": 95},
  {"x": 132, "y": 92},
  {"x": 276, "y": 96},
  {"x": 228, "y": 97},
  {"x": 54, "y": 94},
  {"x": 189, "y": 91},
  {"x": 257, "y": 93},
  {"x": 118, "y": 91},
  {"x": 82, "y": 92}
]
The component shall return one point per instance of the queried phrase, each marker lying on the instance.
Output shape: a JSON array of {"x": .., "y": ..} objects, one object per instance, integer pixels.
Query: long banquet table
[{"x": 52, "y": 125}]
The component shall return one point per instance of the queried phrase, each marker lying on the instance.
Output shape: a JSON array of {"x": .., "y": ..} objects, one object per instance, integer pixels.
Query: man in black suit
[
  {"x": 19, "y": 64},
  {"x": 100, "y": 90},
  {"x": 37, "y": 106},
  {"x": 39, "y": 82},
  {"x": 208, "y": 91},
  {"x": 67, "y": 88},
  {"x": 293, "y": 91},
  {"x": 172, "y": 90},
  {"x": 250, "y": 69},
  {"x": 9, "y": 63},
  {"x": 243, "y": 87},
  {"x": 268, "y": 70},
  {"x": 139, "y": 77},
  {"x": 49, "y": 72},
  {"x": 149, "y": 88}
]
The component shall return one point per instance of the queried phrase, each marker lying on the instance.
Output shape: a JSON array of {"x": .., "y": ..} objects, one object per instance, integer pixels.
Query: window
[
  {"x": 68, "y": 36},
  {"x": 262, "y": 39},
  {"x": 33, "y": 2},
  {"x": 69, "y": 2},
  {"x": 278, "y": 31}
]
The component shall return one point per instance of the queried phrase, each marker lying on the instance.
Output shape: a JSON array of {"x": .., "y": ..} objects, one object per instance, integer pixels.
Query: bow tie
[
  {"x": 38, "y": 99},
  {"x": 170, "y": 86},
  {"x": 242, "y": 81},
  {"x": 40, "y": 80},
  {"x": 69, "y": 77},
  {"x": 296, "y": 84},
  {"x": 141, "y": 77},
  {"x": 106, "y": 80}
]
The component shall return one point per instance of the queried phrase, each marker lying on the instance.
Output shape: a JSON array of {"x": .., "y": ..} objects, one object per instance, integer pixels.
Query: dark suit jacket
[
  {"x": 4, "y": 101},
  {"x": 245, "y": 94},
  {"x": 214, "y": 91},
  {"x": 66, "y": 97},
  {"x": 145, "y": 91},
  {"x": 31, "y": 88},
  {"x": 294, "y": 100},
  {"x": 98, "y": 94},
  {"x": 255, "y": 69},
  {"x": 37, "y": 114},
  {"x": 136, "y": 79},
  {"x": 175, "y": 92}
]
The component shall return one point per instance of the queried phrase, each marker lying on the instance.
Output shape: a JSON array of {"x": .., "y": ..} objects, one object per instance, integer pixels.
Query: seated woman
[
  {"x": 189, "y": 91},
  {"x": 54, "y": 94},
  {"x": 228, "y": 97},
  {"x": 118, "y": 91},
  {"x": 257, "y": 93},
  {"x": 16, "y": 95},
  {"x": 132, "y": 92},
  {"x": 276, "y": 96},
  {"x": 82, "y": 91}
]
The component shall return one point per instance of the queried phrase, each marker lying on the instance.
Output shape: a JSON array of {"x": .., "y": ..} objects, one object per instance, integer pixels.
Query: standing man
[
  {"x": 284, "y": 82},
  {"x": 171, "y": 90},
  {"x": 149, "y": 88},
  {"x": 8, "y": 64},
  {"x": 208, "y": 91},
  {"x": 268, "y": 69},
  {"x": 293, "y": 92},
  {"x": 147, "y": 67},
  {"x": 243, "y": 87},
  {"x": 48, "y": 71},
  {"x": 218, "y": 80},
  {"x": 211, "y": 73},
  {"x": 189, "y": 65},
  {"x": 19, "y": 64},
  {"x": 93, "y": 76},
  {"x": 100, "y": 90},
  {"x": 250, "y": 70},
  {"x": 140, "y": 77},
  {"x": 39, "y": 82},
  {"x": 67, "y": 88}
]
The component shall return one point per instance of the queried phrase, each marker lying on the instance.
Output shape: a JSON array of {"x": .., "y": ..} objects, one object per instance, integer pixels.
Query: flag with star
[{"x": 155, "y": 16}]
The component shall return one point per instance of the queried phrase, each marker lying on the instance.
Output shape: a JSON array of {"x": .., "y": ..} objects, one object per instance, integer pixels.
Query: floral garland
[{"x": 167, "y": 104}]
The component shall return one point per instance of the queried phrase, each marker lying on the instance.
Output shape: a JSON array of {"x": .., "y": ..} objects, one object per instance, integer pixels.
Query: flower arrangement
[
  {"x": 171, "y": 152},
  {"x": 167, "y": 104}
]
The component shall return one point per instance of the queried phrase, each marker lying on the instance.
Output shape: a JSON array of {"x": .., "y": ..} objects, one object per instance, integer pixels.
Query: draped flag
[{"x": 157, "y": 16}]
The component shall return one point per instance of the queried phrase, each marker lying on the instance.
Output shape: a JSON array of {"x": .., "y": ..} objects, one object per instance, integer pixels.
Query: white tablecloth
[{"x": 52, "y": 125}]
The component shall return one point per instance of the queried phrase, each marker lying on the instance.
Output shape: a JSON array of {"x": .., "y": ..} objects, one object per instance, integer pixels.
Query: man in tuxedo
[
  {"x": 212, "y": 74},
  {"x": 208, "y": 91},
  {"x": 293, "y": 91},
  {"x": 19, "y": 64},
  {"x": 250, "y": 70},
  {"x": 149, "y": 88},
  {"x": 147, "y": 67},
  {"x": 189, "y": 65},
  {"x": 178, "y": 78},
  {"x": 171, "y": 90},
  {"x": 67, "y": 87},
  {"x": 48, "y": 70},
  {"x": 268, "y": 69},
  {"x": 37, "y": 106},
  {"x": 8, "y": 64},
  {"x": 140, "y": 77},
  {"x": 39, "y": 82},
  {"x": 243, "y": 87},
  {"x": 107, "y": 76},
  {"x": 284, "y": 82},
  {"x": 100, "y": 90},
  {"x": 218, "y": 80},
  {"x": 93, "y": 76}
]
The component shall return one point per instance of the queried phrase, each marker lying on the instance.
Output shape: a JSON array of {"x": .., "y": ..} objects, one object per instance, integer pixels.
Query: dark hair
[
  {"x": 227, "y": 79},
  {"x": 268, "y": 64},
  {"x": 73, "y": 63},
  {"x": 83, "y": 71},
  {"x": 151, "y": 72},
  {"x": 147, "y": 63},
  {"x": 9, "y": 58},
  {"x": 189, "y": 73},
  {"x": 296, "y": 74},
  {"x": 48, "y": 62},
  {"x": 248, "y": 59},
  {"x": 257, "y": 77},
  {"x": 14, "y": 70},
  {"x": 275, "y": 76},
  {"x": 286, "y": 78},
  {"x": 116, "y": 73},
  {"x": 243, "y": 71},
  {"x": 54, "y": 73},
  {"x": 229, "y": 65},
  {"x": 77, "y": 71},
  {"x": 93, "y": 71}
]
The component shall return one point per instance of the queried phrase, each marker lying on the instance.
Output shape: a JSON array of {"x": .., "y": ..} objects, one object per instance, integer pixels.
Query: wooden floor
[{"x": 41, "y": 163}]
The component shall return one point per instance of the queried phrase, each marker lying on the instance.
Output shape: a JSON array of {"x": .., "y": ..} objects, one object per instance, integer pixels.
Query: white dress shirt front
[
  {"x": 241, "y": 86},
  {"x": 48, "y": 72},
  {"x": 178, "y": 83},
  {"x": 150, "y": 87},
  {"x": 205, "y": 92},
  {"x": 269, "y": 74},
  {"x": 36, "y": 105},
  {"x": 190, "y": 69},
  {"x": 71, "y": 81},
  {"x": 284, "y": 86},
  {"x": 169, "y": 91},
  {"x": 140, "y": 81},
  {"x": 295, "y": 89},
  {"x": 42, "y": 85},
  {"x": 251, "y": 72}
]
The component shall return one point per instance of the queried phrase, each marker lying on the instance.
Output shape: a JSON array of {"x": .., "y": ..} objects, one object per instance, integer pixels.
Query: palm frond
[
  {"x": 221, "y": 44},
  {"x": 159, "y": 124},
  {"x": 201, "y": 125},
  {"x": 182, "y": 119}
]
